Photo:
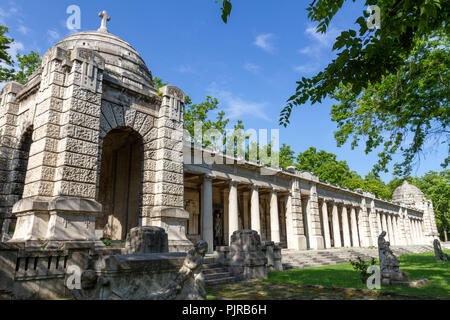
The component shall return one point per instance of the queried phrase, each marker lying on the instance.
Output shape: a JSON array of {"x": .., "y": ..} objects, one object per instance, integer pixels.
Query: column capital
[
  {"x": 233, "y": 183},
  {"x": 209, "y": 177},
  {"x": 255, "y": 187}
]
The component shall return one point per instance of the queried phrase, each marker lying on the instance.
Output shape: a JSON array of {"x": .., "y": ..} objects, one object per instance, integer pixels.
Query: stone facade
[{"x": 89, "y": 149}]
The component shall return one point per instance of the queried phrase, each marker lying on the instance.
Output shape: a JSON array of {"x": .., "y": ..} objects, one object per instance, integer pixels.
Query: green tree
[
  {"x": 325, "y": 166},
  {"x": 436, "y": 186},
  {"x": 6, "y": 70},
  {"x": 26, "y": 64},
  {"x": 368, "y": 58},
  {"x": 287, "y": 156},
  {"x": 402, "y": 112}
]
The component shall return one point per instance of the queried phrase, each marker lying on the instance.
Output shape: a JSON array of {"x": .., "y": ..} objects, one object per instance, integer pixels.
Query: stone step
[
  {"x": 215, "y": 276},
  {"x": 214, "y": 271},
  {"x": 220, "y": 281}
]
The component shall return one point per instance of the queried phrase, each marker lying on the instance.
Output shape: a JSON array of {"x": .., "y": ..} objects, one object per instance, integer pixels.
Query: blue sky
[{"x": 251, "y": 64}]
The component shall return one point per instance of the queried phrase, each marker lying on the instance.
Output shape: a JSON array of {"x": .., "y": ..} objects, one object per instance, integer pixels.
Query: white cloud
[
  {"x": 236, "y": 107},
  {"x": 53, "y": 36},
  {"x": 251, "y": 67},
  {"x": 185, "y": 69},
  {"x": 325, "y": 39},
  {"x": 265, "y": 42},
  {"x": 24, "y": 30},
  {"x": 307, "y": 68},
  {"x": 320, "y": 45},
  {"x": 15, "y": 47}
]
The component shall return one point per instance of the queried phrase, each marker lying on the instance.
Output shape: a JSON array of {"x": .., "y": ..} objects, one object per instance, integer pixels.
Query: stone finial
[{"x": 105, "y": 18}]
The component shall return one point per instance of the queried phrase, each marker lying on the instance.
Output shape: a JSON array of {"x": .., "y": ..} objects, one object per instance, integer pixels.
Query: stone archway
[{"x": 120, "y": 190}]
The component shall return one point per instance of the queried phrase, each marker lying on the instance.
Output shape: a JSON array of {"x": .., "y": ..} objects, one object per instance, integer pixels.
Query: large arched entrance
[{"x": 120, "y": 190}]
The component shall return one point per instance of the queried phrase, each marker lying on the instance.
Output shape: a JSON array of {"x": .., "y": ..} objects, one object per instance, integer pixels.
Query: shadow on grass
[{"x": 418, "y": 266}]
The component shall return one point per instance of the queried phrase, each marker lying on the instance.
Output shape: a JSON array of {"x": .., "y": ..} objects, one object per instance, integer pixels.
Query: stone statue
[
  {"x": 389, "y": 264},
  {"x": 190, "y": 276},
  {"x": 438, "y": 253}
]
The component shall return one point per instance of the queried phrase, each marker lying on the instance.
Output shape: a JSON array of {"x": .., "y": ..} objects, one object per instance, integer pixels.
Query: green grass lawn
[
  {"x": 416, "y": 266},
  {"x": 291, "y": 284}
]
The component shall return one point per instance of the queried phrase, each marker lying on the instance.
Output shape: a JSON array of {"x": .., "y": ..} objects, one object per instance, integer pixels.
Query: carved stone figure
[
  {"x": 190, "y": 276},
  {"x": 438, "y": 253},
  {"x": 389, "y": 264}
]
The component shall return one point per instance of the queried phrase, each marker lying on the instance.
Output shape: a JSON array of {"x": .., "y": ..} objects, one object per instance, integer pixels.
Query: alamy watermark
[
  {"x": 374, "y": 20},
  {"x": 73, "y": 22},
  {"x": 73, "y": 281},
  {"x": 374, "y": 281}
]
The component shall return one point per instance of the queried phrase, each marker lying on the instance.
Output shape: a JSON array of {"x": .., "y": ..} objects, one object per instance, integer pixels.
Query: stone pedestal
[
  {"x": 272, "y": 252},
  {"x": 147, "y": 240},
  {"x": 60, "y": 219},
  {"x": 173, "y": 221},
  {"x": 246, "y": 258}
]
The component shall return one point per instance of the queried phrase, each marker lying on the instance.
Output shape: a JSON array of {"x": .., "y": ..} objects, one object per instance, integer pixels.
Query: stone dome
[
  {"x": 407, "y": 191},
  {"x": 122, "y": 61}
]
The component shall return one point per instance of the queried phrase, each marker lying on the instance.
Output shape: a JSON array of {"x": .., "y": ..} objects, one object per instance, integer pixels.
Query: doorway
[{"x": 120, "y": 190}]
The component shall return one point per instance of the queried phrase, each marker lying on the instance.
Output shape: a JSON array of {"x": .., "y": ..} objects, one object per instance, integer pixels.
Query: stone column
[
  {"x": 412, "y": 231},
  {"x": 354, "y": 226},
  {"x": 365, "y": 227},
  {"x": 254, "y": 209},
  {"x": 416, "y": 231},
  {"x": 316, "y": 240},
  {"x": 9, "y": 153},
  {"x": 245, "y": 218},
  {"x": 207, "y": 212},
  {"x": 384, "y": 225},
  {"x": 346, "y": 227},
  {"x": 420, "y": 225},
  {"x": 395, "y": 229},
  {"x": 233, "y": 211},
  {"x": 226, "y": 196},
  {"x": 336, "y": 227},
  {"x": 401, "y": 227},
  {"x": 274, "y": 218},
  {"x": 296, "y": 237},
  {"x": 326, "y": 226},
  {"x": 389, "y": 227}
]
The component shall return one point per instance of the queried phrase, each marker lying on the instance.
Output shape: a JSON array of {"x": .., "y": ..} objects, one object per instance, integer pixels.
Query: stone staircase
[
  {"x": 306, "y": 259},
  {"x": 216, "y": 274}
]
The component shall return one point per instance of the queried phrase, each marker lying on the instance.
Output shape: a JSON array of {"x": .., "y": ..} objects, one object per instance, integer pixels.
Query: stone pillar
[
  {"x": 416, "y": 231},
  {"x": 274, "y": 218},
  {"x": 207, "y": 212},
  {"x": 354, "y": 226},
  {"x": 401, "y": 228},
  {"x": 346, "y": 227},
  {"x": 296, "y": 235},
  {"x": 412, "y": 232},
  {"x": 9, "y": 146},
  {"x": 395, "y": 229},
  {"x": 326, "y": 226},
  {"x": 254, "y": 209},
  {"x": 336, "y": 227},
  {"x": 375, "y": 229},
  {"x": 59, "y": 198},
  {"x": 165, "y": 207},
  {"x": 316, "y": 240},
  {"x": 245, "y": 218},
  {"x": 365, "y": 236},
  {"x": 389, "y": 228},
  {"x": 384, "y": 225},
  {"x": 233, "y": 209},
  {"x": 226, "y": 197},
  {"x": 420, "y": 226}
]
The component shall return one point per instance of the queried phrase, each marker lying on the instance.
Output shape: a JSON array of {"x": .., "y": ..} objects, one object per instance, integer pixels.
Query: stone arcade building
[{"x": 90, "y": 149}]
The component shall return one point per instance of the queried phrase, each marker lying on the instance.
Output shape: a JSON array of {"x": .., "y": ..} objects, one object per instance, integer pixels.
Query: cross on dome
[{"x": 105, "y": 18}]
